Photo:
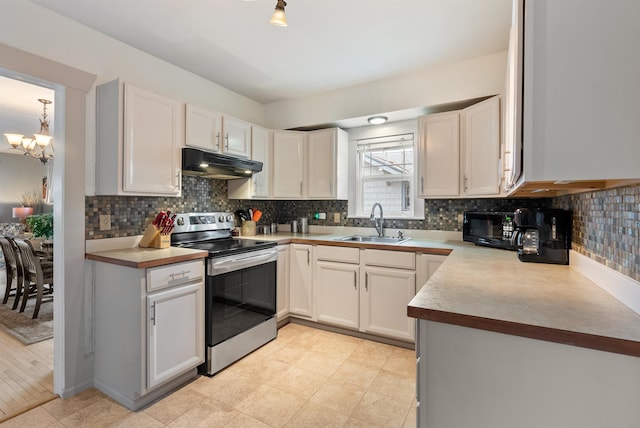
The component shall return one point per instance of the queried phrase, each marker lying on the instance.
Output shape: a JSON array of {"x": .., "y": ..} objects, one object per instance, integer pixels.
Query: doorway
[
  {"x": 72, "y": 306},
  {"x": 27, "y": 345}
]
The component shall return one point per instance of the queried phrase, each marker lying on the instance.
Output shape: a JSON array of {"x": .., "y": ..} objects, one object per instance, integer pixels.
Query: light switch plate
[
  {"x": 336, "y": 217},
  {"x": 105, "y": 221}
]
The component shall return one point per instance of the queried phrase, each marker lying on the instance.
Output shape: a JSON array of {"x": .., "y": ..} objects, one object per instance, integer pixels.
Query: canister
[{"x": 304, "y": 225}]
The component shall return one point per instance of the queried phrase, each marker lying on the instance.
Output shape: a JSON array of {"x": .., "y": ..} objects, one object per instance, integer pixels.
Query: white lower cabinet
[
  {"x": 300, "y": 281},
  {"x": 384, "y": 300},
  {"x": 365, "y": 290},
  {"x": 282, "y": 294},
  {"x": 338, "y": 294},
  {"x": 149, "y": 329},
  {"x": 171, "y": 349}
]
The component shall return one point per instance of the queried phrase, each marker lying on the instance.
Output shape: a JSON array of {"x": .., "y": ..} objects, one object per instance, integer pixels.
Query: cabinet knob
[{"x": 218, "y": 140}]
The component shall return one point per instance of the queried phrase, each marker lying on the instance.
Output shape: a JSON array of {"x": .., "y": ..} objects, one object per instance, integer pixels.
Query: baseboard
[
  {"x": 76, "y": 389},
  {"x": 620, "y": 286}
]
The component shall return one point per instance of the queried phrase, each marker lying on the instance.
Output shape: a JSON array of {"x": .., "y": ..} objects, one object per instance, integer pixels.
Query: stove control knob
[
  {"x": 229, "y": 217},
  {"x": 180, "y": 221},
  {"x": 221, "y": 219}
]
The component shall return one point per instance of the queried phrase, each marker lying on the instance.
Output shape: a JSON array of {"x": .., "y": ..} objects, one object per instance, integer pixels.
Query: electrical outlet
[
  {"x": 460, "y": 218},
  {"x": 336, "y": 217},
  {"x": 322, "y": 216},
  {"x": 105, "y": 222}
]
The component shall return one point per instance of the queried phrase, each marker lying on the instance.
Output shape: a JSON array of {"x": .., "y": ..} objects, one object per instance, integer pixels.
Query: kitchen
[{"x": 482, "y": 72}]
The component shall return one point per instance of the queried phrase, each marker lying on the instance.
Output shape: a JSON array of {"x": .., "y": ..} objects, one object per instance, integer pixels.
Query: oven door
[{"x": 240, "y": 293}]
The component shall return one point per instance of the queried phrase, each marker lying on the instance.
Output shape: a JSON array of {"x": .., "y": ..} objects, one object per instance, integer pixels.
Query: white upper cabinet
[
  {"x": 327, "y": 165},
  {"x": 211, "y": 130},
  {"x": 139, "y": 136},
  {"x": 580, "y": 91},
  {"x": 459, "y": 152},
  {"x": 237, "y": 137},
  {"x": 481, "y": 148},
  {"x": 203, "y": 128},
  {"x": 439, "y": 154},
  {"x": 288, "y": 164},
  {"x": 259, "y": 185}
]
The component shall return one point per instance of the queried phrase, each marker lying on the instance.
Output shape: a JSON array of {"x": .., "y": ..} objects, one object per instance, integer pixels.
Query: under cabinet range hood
[{"x": 206, "y": 164}]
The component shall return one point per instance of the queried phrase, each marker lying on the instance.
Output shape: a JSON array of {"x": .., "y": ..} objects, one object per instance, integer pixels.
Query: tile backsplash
[
  {"x": 606, "y": 227},
  {"x": 606, "y": 224}
]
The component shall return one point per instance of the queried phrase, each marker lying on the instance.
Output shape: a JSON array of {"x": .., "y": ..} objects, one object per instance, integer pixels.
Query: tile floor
[{"x": 305, "y": 378}]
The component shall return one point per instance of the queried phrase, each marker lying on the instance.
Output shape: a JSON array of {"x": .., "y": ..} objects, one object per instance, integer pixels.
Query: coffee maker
[{"x": 542, "y": 236}]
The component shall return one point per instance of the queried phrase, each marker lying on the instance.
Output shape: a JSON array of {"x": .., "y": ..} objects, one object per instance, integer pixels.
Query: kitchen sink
[{"x": 373, "y": 239}]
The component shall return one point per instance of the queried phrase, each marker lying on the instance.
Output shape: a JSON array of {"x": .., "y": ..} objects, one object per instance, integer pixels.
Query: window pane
[{"x": 387, "y": 174}]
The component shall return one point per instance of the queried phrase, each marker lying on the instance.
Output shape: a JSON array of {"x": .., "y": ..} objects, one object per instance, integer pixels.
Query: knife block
[{"x": 153, "y": 239}]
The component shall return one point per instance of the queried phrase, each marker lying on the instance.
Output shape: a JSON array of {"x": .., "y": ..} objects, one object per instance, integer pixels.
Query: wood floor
[{"x": 26, "y": 374}]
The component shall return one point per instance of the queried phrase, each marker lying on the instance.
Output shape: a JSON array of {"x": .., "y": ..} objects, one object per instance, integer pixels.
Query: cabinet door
[
  {"x": 384, "y": 300},
  {"x": 337, "y": 294},
  {"x": 204, "y": 128},
  {"x": 481, "y": 143},
  {"x": 288, "y": 164},
  {"x": 175, "y": 332},
  {"x": 300, "y": 285},
  {"x": 237, "y": 137},
  {"x": 153, "y": 135},
  {"x": 321, "y": 168},
  {"x": 439, "y": 154},
  {"x": 282, "y": 293},
  {"x": 260, "y": 151}
]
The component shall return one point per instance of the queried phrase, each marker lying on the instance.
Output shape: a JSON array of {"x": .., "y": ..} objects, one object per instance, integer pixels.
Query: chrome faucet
[{"x": 378, "y": 222}]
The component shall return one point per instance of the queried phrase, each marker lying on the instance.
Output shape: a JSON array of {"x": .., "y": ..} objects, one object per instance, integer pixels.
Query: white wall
[
  {"x": 29, "y": 27},
  {"x": 429, "y": 87},
  {"x": 19, "y": 175}
]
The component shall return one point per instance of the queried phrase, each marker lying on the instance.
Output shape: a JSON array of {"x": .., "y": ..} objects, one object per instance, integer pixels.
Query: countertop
[
  {"x": 141, "y": 258},
  {"x": 491, "y": 289},
  {"x": 476, "y": 287}
]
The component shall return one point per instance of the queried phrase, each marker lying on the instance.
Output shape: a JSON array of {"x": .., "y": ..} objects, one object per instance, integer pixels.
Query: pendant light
[
  {"x": 278, "y": 18},
  {"x": 35, "y": 146}
]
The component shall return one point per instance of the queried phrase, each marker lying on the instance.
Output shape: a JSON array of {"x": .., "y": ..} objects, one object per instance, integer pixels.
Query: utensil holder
[{"x": 248, "y": 228}]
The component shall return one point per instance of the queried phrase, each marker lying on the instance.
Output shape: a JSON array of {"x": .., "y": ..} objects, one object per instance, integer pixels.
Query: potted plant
[{"x": 41, "y": 225}]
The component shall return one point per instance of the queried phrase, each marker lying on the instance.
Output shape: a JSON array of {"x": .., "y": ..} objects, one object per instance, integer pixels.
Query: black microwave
[{"x": 489, "y": 228}]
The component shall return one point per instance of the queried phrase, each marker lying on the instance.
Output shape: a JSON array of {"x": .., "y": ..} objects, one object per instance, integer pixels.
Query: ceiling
[{"x": 328, "y": 45}]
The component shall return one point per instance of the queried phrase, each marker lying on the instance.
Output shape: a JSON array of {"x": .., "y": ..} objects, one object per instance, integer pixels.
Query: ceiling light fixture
[
  {"x": 278, "y": 18},
  {"x": 377, "y": 120},
  {"x": 36, "y": 146}
]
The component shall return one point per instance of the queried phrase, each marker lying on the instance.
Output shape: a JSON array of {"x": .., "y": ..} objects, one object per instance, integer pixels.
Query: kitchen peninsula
[{"x": 523, "y": 344}]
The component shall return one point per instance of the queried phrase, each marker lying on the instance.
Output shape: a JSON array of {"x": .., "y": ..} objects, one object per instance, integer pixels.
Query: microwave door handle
[{"x": 516, "y": 239}]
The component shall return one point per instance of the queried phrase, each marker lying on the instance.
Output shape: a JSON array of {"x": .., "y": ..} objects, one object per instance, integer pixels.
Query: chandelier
[{"x": 36, "y": 145}]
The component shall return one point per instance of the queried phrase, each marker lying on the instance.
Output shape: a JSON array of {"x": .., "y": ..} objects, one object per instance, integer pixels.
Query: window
[{"x": 386, "y": 174}]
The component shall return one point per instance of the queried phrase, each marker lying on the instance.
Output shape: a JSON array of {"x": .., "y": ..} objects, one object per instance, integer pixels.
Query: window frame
[{"x": 380, "y": 132}]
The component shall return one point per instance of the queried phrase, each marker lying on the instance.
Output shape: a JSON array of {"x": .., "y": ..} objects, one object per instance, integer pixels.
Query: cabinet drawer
[
  {"x": 174, "y": 274},
  {"x": 338, "y": 254},
  {"x": 395, "y": 259}
]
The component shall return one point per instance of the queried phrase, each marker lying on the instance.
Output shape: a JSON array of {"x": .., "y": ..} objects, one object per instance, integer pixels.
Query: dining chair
[
  {"x": 13, "y": 270},
  {"x": 36, "y": 274}
]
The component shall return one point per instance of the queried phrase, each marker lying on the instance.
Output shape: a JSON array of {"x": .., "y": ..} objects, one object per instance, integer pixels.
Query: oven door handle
[{"x": 236, "y": 263}]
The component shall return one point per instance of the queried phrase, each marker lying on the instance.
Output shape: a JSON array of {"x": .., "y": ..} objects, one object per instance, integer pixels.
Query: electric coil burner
[{"x": 240, "y": 287}]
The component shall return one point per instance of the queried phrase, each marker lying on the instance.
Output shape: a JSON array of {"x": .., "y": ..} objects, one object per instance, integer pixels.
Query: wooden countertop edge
[
  {"x": 405, "y": 248},
  {"x": 548, "y": 334},
  {"x": 147, "y": 263}
]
